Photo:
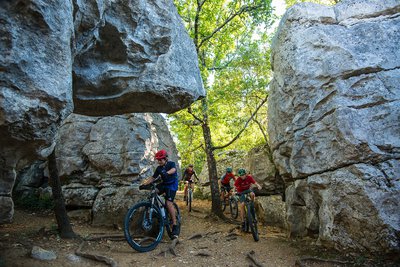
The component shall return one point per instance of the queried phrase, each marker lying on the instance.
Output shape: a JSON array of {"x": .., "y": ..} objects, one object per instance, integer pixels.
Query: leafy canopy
[{"x": 232, "y": 41}]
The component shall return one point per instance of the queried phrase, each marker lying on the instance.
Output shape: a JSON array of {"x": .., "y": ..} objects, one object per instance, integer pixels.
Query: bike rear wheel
[
  {"x": 252, "y": 221},
  {"x": 143, "y": 227},
  {"x": 233, "y": 204},
  {"x": 169, "y": 224}
]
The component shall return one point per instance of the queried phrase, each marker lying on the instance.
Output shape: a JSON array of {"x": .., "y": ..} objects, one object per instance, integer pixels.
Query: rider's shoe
[{"x": 175, "y": 231}]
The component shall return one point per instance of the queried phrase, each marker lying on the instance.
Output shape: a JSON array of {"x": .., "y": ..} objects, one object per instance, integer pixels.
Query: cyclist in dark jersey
[
  {"x": 188, "y": 177},
  {"x": 168, "y": 172}
]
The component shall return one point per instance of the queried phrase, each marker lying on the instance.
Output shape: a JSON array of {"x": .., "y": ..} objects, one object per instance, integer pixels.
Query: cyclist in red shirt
[
  {"x": 243, "y": 184},
  {"x": 225, "y": 182}
]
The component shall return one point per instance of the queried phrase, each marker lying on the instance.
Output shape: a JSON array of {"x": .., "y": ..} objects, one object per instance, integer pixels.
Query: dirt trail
[{"x": 218, "y": 246}]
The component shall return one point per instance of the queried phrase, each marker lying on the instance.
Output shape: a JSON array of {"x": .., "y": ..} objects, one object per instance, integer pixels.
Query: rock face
[
  {"x": 260, "y": 165},
  {"x": 132, "y": 56},
  {"x": 99, "y": 157},
  {"x": 103, "y": 57},
  {"x": 35, "y": 82},
  {"x": 334, "y": 121}
]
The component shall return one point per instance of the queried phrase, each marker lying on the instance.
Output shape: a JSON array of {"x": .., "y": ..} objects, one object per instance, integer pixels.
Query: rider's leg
[
  {"x": 192, "y": 186},
  {"x": 241, "y": 212},
  {"x": 171, "y": 210},
  {"x": 222, "y": 193},
  {"x": 185, "y": 190}
]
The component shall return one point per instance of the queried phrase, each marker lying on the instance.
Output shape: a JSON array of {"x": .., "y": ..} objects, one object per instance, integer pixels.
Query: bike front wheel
[
  {"x": 252, "y": 221},
  {"x": 143, "y": 226}
]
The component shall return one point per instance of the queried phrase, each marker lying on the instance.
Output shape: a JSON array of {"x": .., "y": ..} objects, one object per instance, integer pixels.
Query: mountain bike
[
  {"x": 250, "y": 219},
  {"x": 144, "y": 222},
  {"x": 189, "y": 197},
  {"x": 231, "y": 200},
  {"x": 225, "y": 199}
]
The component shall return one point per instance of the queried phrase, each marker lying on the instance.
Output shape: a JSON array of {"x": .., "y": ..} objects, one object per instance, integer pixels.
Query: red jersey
[
  {"x": 227, "y": 178},
  {"x": 244, "y": 184}
]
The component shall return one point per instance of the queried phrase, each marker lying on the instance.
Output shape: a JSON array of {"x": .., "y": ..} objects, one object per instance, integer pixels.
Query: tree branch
[
  {"x": 190, "y": 111},
  {"x": 245, "y": 126},
  {"x": 194, "y": 149},
  {"x": 242, "y": 10},
  {"x": 196, "y": 24}
]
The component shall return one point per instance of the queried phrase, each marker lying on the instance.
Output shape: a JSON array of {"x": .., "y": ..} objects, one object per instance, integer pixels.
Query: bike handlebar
[{"x": 150, "y": 185}]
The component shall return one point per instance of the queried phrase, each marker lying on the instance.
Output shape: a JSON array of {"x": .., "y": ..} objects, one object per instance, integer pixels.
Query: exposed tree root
[
  {"x": 203, "y": 254},
  {"x": 170, "y": 249},
  {"x": 109, "y": 261},
  {"x": 250, "y": 256},
  {"x": 112, "y": 237},
  {"x": 301, "y": 262},
  {"x": 195, "y": 236},
  {"x": 234, "y": 228}
]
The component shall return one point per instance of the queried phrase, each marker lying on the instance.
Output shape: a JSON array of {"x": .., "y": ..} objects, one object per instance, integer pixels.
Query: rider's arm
[
  {"x": 258, "y": 186},
  {"x": 171, "y": 171},
  {"x": 148, "y": 180},
  {"x": 253, "y": 181}
]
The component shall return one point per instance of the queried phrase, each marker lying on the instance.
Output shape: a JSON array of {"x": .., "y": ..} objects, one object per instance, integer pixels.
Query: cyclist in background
[
  {"x": 188, "y": 177},
  {"x": 243, "y": 184},
  {"x": 225, "y": 183}
]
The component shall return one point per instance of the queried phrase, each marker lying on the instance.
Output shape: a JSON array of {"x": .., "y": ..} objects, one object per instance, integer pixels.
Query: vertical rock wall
[
  {"x": 35, "y": 84},
  {"x": 334, "y": 122},
  {"x": 108, "y": 57}
]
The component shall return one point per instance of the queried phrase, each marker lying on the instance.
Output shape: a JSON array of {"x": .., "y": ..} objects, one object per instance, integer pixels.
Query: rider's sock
[{"x": 175, "y": 230}]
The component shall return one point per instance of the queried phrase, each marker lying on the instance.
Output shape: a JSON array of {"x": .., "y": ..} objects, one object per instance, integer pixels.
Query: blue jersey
[{"x": 170, "y": 180}]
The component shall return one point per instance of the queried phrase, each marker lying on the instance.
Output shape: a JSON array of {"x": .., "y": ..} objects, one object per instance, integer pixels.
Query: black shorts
[
  {"x": 226, "y": 187},
  {"x": 169, "y": 193}
]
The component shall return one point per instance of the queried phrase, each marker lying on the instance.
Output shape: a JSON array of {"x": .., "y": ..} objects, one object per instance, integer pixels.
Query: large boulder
[
  {"x": 123, "y": 146},
  {"x": 100, "y": 157},
  {"x": 261, "y": 166},
  {"x": 108, "y": 57},
  {"x": 132, "y": 56},
  {"x": 334, "y": 124}
]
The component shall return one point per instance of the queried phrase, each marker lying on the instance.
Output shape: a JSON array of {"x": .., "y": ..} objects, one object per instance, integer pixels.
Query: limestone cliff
[{"x": 334, "y": 121}]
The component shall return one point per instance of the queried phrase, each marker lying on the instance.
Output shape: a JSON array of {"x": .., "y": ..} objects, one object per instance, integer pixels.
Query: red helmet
[{"x": 162, "y": 154}]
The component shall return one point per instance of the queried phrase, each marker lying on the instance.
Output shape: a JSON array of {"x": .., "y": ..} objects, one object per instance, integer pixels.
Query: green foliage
[
  {"x": 34, "y": 202},
  {"x": 232, "y": 41}
]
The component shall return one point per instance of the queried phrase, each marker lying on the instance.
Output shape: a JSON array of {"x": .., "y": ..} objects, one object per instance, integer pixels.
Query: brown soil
[{"x": 219, "y": 244}]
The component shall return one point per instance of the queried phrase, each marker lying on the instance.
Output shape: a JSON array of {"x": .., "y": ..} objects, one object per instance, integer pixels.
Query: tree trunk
[
  {"x": 64, "y": 226},
  {"x": 212, "y": 164}
]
